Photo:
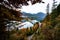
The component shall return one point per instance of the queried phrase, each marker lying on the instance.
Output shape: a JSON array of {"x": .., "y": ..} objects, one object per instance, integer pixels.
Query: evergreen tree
[{"x": 8, "y": 12}]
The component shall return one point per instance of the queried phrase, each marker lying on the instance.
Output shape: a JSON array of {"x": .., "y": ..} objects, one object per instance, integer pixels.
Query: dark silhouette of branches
[
  {"x": 8, "y": 13},
  {"x": 17, "y": 3}
]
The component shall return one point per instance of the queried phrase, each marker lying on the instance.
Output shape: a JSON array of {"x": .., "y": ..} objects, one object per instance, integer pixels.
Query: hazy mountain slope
[{"x": 38, "y": 16}]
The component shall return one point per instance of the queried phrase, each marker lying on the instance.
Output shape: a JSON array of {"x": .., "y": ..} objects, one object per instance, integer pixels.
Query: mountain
[{"x": 38, "y": 16}]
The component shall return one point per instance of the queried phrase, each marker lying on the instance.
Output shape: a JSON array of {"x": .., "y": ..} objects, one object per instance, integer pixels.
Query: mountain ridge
[{"x": 38, "y": 16}]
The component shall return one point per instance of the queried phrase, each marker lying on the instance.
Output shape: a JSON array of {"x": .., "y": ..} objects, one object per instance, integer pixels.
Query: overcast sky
[{"x": 38, "y": 7}]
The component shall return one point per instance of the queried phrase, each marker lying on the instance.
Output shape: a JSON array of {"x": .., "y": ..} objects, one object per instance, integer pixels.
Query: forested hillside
[{"x": 50, "y": 29}]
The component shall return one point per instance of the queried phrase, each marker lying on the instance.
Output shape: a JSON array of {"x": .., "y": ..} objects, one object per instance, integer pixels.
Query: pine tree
[
  {"x": 8, "y": 12},
  {"x": 48, "y": 16},
  {"x": 54, "y": 4}
]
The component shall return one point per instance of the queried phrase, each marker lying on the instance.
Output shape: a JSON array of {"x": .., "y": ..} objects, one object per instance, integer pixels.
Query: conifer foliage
[{"x": 8, "y": 12}]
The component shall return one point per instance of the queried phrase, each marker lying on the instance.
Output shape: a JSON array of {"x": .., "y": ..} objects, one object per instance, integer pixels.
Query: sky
[{"x": 38, "y": 7}]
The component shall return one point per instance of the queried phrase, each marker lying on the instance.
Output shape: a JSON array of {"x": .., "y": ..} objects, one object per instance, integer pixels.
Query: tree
[
  {"x": 8, "y": 12},
  {"x": 54, "y": 4},
  {"x": 48, "y": 16},
  {"x": 55, "y": 13},
  {"x": 18, "y": 3}
]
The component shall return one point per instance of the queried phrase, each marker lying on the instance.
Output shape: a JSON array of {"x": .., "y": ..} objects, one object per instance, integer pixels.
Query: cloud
[{"x": 38, "y": 7}]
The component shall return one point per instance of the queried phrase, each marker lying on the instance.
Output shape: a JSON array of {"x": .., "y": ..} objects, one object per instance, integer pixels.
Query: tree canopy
[
  {"x": 8, "y": 12},
  {"x": 18, "y": 3}
]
